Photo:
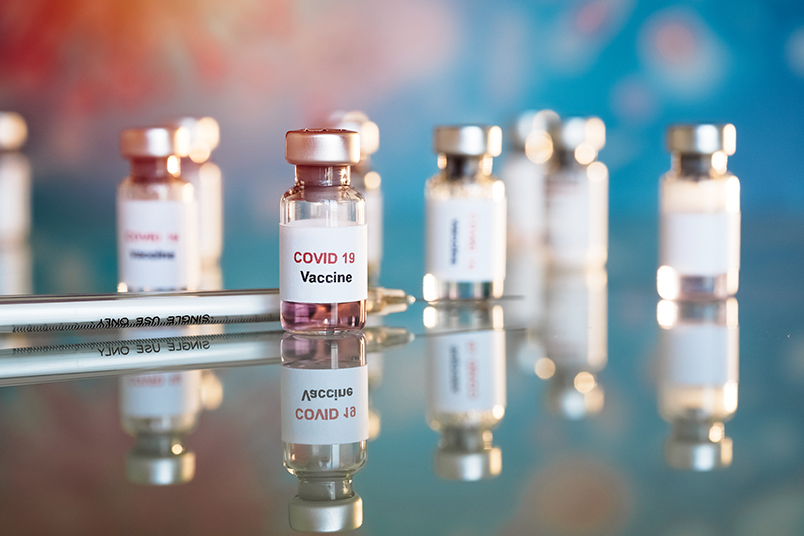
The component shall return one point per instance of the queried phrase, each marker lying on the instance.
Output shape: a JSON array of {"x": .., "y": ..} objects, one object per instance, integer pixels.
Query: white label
[
  {"x": 524, "y": 187},
  {"x": 568, "y": 221},
  {"x": 466, "y": 239},
  {"x": 374, "y": 223},
  {"x": 322, "y": 264},
  {"x": 701, "y": 244},
  {"x": 15, "y": 197},
  {"x": 324, "y": 407},
  {"x": 160, "y": 395},
  {"x": 157, "y": 244},
  {"x": 467, "y": 371},
  {"x": 700, "y": 355}
]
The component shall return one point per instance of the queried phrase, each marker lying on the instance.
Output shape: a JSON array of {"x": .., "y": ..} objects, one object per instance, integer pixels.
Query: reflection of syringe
[
  {"x": 20, "y": 366},
  {"x": 26, "y": 314}
]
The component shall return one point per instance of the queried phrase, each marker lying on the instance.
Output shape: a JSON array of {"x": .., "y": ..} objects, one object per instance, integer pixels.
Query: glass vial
[
  {"x": 157, "y": 220},
  {"x": 699, "y": 201},
  {"x": 322, "y": 235},
  {"x": 367, "y": 181},
  {"x": 697, "y": 380},
  {"x": 578, "y": 195},
  {"x": 524, "y": 174},
  {"x": 466, "y": 395},
  {"x": 15, "y": 207},
  {"x": 466, "y": 216},
  {"x": 575, "y": 342},
  {"x": 15, "y": 181},
  {"x": 198, "y": 169},
  {"x": 325, "y": 426},
  {"x": 159, "y": 410}
]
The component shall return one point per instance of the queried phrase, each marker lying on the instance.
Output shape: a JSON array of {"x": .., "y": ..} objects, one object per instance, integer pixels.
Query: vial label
[
  {"x": 568, "y": 221},
  {"x": 467, "y": 371},
  {"x": 158, "y": 245},
  {"x": 324, "y": 407},
  {"x": 700, "y": 244},
  {"x": 524, "y": 186},
  {"x": 700, "y": 355},
  {"x": 374, "y": 220},
  {"x": 162, "y": 394},
  {"x": 322, "y": 264},
  {"x": 466, "y": 239}
]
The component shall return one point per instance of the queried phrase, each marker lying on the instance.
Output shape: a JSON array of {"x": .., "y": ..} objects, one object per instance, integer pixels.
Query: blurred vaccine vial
[
  {"x": 575, "y": 342},
  {"x": 367, "y": 181},
  {"x": 466, "y": 394},
  {"x": 699, "y": 200},
  {"x": 157, "y": 219},
  {"x": 466, "y": 216},
  {"x": 159, "y": 410},
  {"x": 198, "y": 169},
  {"x": 15, "y": 181},
  {"x": 578, "y": 195},
  {"x": 322, "y": 235},
  {"x": 531, "y": 158},
  {"x": 15, "y": 207},
  {"x": 325, "y": 425},
  {"x": 697, "y": 380}
]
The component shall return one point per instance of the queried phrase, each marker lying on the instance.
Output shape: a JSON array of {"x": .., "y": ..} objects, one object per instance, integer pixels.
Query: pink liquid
[{"x": 319, "y": 317}]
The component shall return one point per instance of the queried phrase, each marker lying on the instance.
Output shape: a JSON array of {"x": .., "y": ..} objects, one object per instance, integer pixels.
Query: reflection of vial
[
  {"x": 159, "y": 410},
  {"x": 575, "y": 342},
  {"x": 465, "y": 231},
  {"x": 15, "y": 181},
  {"x": 524, "y": 176},
  {"x": 466, "y": 389},
  {"x": 697, "y": 377},
  {"x": 578, "y": 195},
  {"x": 205, "y": 176},
  {"x": 157, "y": 223},
  {"x": 325, "y": 425},
  {"x": 322, "y": 235},
  {"x": 699, "y": 245},
  {"x": 367, "y": 182}
]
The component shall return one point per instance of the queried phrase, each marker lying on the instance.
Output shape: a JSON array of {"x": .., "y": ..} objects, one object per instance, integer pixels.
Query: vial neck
[
  {"x": 466, "y": 439},
  {"x": 322, "y": 175},
  {"x": 323, "y": 489},
  {"x": 161, "y": 445},
  {"x": 693, "y": 430},
  {"x": 459, "y": 167},
  {"x": 695, "y": 165},
  {"x": 566, "y": 159},
  {"x": 153, "y": 169}
]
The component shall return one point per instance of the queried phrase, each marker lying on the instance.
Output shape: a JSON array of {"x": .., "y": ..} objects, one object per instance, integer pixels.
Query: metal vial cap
[
  {"x": 703, "y": 138},
  {"x": 13, "y": 131},
  {"x": 160, "y": 471},
  {"x": 468, "y": 140},
  {"x": 468, "y": 466},
  {"x": 360, "y": 123},
  {"x": 158, "y": 142},
  {"x": 575, "y": 132},
  {"x": 530, "y": 122},
  {"x": 325, "y": 516},
  {"x": 322, "y": 147}
]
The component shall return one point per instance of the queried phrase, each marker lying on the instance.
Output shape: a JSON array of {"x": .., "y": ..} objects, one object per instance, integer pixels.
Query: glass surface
[{"x": 64, "y": 447}]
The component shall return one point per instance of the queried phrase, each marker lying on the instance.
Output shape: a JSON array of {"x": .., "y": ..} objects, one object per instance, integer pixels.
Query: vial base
[
  {"x": 689, "y": 287},
  {"x": 453, "y": 290},
  {"x": 322, "y": 317}
]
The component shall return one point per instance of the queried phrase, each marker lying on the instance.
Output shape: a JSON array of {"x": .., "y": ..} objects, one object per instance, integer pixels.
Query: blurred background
[{"x": 81, "y": 70}]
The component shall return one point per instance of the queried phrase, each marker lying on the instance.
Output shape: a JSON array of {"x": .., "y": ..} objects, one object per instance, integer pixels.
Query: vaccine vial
[
  {"x": 466, "y": 216},
  {"x": 466, "y": 389},
  {"x": 159, "y": 410},
  {"x": 368, "y": 182},
  {"x": 322, "y": 235},
  {"x": 699, "y": 201},
  {"x": 157, "y": 220},
  {"x": 198, "y": 169},
  {"x": 325, "y": 426},
  {"x": 578, "y": 196},
  {"x": 15, "y": 181},
  {"x": 524, "y": 173},
  {"x": 697, "y": 380},
  {"x": 575, "y": 342}
]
